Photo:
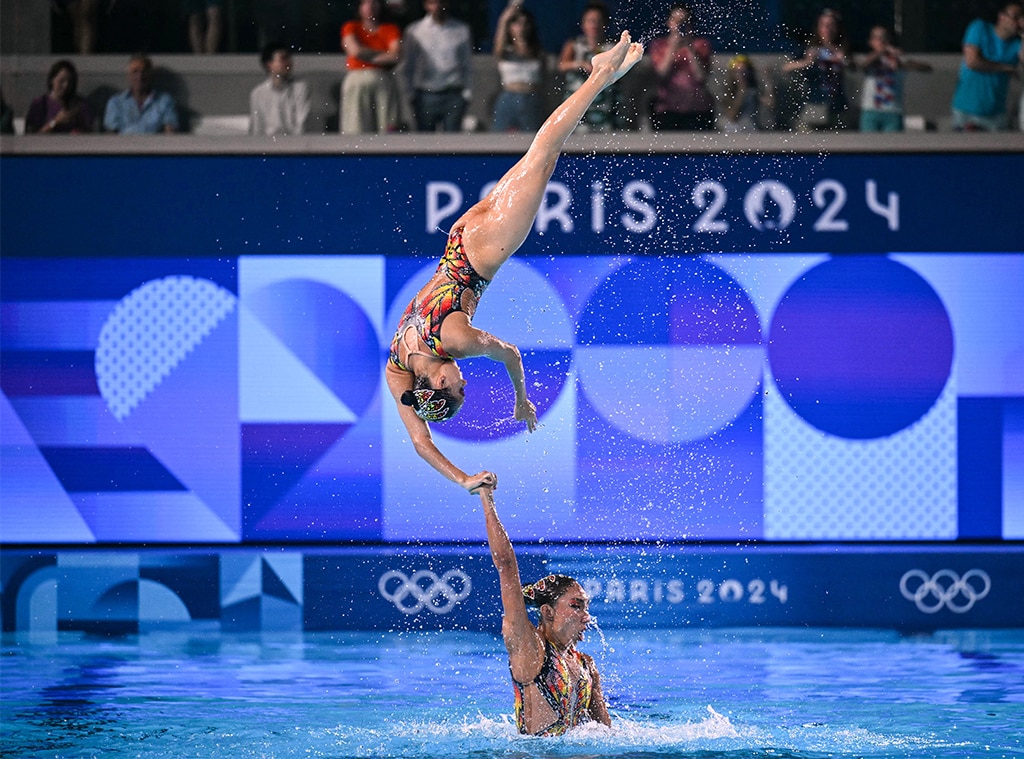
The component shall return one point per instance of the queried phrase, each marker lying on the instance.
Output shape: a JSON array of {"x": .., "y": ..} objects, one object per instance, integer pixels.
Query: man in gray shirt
[
  {"x": 438, "y": 54},
  {"x": 280, "y": 104}
]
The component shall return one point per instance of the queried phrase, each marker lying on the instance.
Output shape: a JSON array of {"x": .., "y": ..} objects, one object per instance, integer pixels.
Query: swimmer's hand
[
  {"x": 474, "y": 483},
  {"x": 526, "y": 412}
]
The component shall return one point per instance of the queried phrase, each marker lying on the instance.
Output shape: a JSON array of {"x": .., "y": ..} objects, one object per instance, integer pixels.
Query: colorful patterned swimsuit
[
  {"x": 572, "y": 706},
  {"x": 426, "y": 315}
]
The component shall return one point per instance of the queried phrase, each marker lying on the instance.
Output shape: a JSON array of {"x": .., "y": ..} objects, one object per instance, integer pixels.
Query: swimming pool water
[{"x": 712, "y": 693}]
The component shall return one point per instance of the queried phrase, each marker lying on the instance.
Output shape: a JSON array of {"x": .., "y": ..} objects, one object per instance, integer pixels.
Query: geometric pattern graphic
[
  {"x": 261, "y": 591},
  {"x": 120, "y": 416},
  {"x": 310, "y": 367},
  {"x": 670, "y": 361},
  {"x": 861, "y": 415},
  {"x": 861, "y": 346},
  {"x": 149, "y": 333},
  {"x": 108, "y": 592},
  {"x": 242, "y": 400},
  {"x": 900, "y": 487}
]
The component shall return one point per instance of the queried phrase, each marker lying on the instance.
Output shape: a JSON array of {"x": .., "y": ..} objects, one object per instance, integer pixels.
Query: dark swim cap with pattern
[
  {"x": 546, "y": 590},
  {"x": 431, "y": 405}
]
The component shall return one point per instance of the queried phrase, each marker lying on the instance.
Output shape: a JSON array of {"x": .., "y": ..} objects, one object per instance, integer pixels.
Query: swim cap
[
  {"x": 430, "y": 405},
  {"x": 546, "y": 590}
]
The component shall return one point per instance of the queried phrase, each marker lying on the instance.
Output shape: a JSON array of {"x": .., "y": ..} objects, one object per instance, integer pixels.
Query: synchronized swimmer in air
[{"x": 436, "y": 327}]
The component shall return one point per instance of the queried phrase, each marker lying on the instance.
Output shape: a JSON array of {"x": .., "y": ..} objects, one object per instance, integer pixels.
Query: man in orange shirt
[{"x": 369, "y": 94}]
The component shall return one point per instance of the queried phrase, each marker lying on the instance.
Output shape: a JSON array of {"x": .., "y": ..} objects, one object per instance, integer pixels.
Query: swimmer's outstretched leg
[{"x": 496, "y": 226}]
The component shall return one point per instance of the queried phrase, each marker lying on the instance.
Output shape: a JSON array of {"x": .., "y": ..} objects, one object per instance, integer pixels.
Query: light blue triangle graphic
[
  {"x": 275, "y": 386},
  {"x": 288, "y": 568},
  {"x": 35, "y": 507},
  {"x": 249, "y": 585}
]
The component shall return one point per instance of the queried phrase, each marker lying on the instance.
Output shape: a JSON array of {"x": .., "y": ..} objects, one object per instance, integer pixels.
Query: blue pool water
[{"x": 710, "y": 693}]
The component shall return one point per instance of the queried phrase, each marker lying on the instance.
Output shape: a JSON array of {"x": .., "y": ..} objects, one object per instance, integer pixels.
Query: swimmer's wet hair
[
  {"x": 429, "y": 404},
  {"x": 546, "y": 590}
]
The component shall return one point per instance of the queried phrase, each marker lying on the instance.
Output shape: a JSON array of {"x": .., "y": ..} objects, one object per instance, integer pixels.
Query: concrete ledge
[{"x": 516, "y": 144}]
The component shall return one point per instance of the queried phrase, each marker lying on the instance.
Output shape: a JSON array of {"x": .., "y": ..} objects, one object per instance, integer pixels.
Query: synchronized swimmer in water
[
  {"x": 556, "y": 686},
  {"x": 436, "y": 328}
]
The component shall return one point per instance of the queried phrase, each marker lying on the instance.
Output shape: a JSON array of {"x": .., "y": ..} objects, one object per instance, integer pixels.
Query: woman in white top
[{"x": 521, "y": 68}]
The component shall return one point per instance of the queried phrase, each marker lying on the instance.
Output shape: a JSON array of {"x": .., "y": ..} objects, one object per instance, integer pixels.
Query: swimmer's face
[
  {"x": 449, "y": 377},
  {"x": 572, "y": 612}
]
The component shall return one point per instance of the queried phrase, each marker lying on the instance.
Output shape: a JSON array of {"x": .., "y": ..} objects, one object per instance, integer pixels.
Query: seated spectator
[
  {"x": 205, "y": 19},
  {"x": 885, "y": 67},
  {"x": 681, "y": 63},
  {"x": 437, "y": 53},
  {"x": 992, "y": 53},
  {"x": 742, "y": 97},
  {"x": 574, "y": 64},
  {"x": 369, "y": 94},
  {"x": 60, "y": 110},
  {"x": 279, "y": 105},
  {"x": 140, "y": 109},
  {"x": 823, "y": 64},
  {"x": 520, "y": 68}
]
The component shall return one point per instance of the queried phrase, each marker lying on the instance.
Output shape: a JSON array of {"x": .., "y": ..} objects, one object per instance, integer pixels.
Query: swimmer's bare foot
[
  {"x": 633, "y": 56},
  {"x": 620, "y": 59}
]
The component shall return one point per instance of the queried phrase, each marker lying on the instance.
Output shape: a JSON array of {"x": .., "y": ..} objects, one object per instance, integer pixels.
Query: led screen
[{"x": 205, "y": 388}]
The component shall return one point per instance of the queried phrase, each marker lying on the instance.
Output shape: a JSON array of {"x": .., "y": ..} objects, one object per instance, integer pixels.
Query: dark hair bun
[{"x": 409, "y": 398}]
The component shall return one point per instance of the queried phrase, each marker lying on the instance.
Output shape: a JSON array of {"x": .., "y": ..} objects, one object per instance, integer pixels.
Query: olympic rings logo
[
  {"x": 945, "y": 588},
  {"x": 425, "y": 590}
]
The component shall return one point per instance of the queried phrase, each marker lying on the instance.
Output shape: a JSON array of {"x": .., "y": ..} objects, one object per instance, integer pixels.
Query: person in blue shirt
[
  {"x": 140, "y": 109},
  {"x": 992, "y": 53}
]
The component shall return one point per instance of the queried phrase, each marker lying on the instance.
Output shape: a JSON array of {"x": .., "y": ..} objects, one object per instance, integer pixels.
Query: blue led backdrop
[{"x": 720, "y": 347}]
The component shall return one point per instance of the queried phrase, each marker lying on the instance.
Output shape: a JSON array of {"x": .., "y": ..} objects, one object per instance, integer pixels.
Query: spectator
[
  {"x": 574, "y": 64},
  {"x": 742, "y": 97},
  {"x": 824, "y": 65},
  {"x": 83, "y": 15},
  {"x": 437, "y": 63},
  {"x": 992, "y": 53},
  {"x": 205, "y": 19},
  {"x": 60, "y": 110},
  {"x": 521, "y": 69},
  {"x": 140, "y": 109},
  {"x": 369, "y": 94},
  {"x": 6, "y": 116},
  {"x": 279, "y": 105},
  {"x": 881, "y": 102},
  {"x": 681, "y": 63}
]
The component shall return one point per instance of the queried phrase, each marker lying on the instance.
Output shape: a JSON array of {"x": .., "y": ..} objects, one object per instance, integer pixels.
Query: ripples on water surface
[{"x": 712, "y": 693}]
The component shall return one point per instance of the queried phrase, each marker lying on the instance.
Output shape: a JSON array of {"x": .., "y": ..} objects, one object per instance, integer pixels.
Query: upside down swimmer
[{"x": 436, "y": 328}]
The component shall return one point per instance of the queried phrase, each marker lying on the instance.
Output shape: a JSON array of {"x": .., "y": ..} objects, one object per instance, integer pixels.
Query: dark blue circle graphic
[{"x": 861, "y": 347}]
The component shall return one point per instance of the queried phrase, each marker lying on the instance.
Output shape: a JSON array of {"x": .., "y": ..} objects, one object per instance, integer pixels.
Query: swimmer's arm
[
  {"x": 598, "y": 707},
  {"x": 423, "y": 442},
  {"x": 525, "y": 649},
  {"x": 466, "y": 341}
]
